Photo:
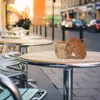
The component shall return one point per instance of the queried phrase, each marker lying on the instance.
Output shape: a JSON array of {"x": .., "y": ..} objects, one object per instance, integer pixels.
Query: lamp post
[{"x": 53, "y": 20}]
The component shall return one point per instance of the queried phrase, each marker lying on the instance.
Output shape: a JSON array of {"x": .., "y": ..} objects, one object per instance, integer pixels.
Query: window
[
  {"x": 90, "y": 1},
  {"x": 82, "y": 2}
]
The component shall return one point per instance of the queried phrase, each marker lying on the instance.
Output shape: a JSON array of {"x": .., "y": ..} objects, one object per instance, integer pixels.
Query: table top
[
  {"x": 17, "y": 31},
  {"x": 49, "y": 58},
  {"x": 26, "y": 42},
  {"x": 21, "y": 37}
]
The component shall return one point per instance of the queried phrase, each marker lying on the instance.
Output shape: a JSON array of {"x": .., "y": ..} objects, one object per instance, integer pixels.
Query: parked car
[
  {"x": 67, "y": 24},
  {"x": 97, "y": 25},
  {"x": 77, "y": 24},
  {"x": 93, "y": 26}
]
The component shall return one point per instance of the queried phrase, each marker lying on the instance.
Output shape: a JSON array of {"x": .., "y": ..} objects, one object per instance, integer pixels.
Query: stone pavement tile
[
  {"x": 57, "y": 70},
  {"x": 95, "y": 69},
  {"x": 82, "y": 70},
  {"x": 98, "y": 89},
  {"x": 91, "y": 79},
  {"x": 60, "y": 77},
  {"x": 58, "y": 83},
  {"x": 96, "y": 97},
  {"x": 58, "y": 80},
  {"x": 61, "y": 90},
  {"x": 89, "y": 85},
  {"x": 80, "y": 97},
  {"x": 75, "y": 86},
  {"x": 85, "y": 92},
  {"x": 34, "y": 72},
  {"x": 47, "y": 70},
  {"x": 96, "y": 74},
  {"x": 83, "y": 98},
  {"x": 78, "y": 79},
  {"x": 80, "y": 75}
]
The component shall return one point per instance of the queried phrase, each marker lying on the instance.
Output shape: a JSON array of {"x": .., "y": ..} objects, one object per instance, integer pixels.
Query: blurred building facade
[
  {"x": 2, "y": 13},
  {"x": 64, "y": 9},
  {"x": 41, "y": 9},
  {"x": 53, "y": 8},
  {"x": 44, "y": 10},
  {"x": 83, "y": 9},
  {"x": 49, "y": 7}
]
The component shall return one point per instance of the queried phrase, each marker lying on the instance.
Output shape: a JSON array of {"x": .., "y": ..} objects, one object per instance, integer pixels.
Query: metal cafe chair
[
  {"x": 11, "y": 64},
  {"x": 10, "y": 59},
  {"x": 9, "y": 91},
  {"x": 13, "y": 68}
]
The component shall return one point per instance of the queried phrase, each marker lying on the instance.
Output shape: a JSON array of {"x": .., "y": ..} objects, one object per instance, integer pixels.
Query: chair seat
[
  {"x": 9, "y": 91},
  {"x": 26, "y": 93},
  {"x": 10, "y": 72}
]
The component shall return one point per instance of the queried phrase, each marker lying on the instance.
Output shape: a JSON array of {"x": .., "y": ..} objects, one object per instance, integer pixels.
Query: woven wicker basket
[{"x": 63, "y": 49}]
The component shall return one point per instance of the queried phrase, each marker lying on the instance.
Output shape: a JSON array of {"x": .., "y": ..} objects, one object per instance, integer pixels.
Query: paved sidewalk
[{"x": 86, "y": 80}]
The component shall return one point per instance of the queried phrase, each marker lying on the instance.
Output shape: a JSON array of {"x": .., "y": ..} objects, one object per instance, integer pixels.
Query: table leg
[
  {"x": 26, "y": 74},
  {"x": 24, "y": 77},
  {"x": 27, "y": 49},
  {"x": 68, "y": 84},
  {"x": 24, "y": 49}
]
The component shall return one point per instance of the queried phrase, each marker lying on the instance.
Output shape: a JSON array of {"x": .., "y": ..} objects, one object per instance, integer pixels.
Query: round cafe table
[
  {"x": 49, "y": 59},
  {"x": 17, "y": 31},
  {"x": 21, "y": 37},
  {"x": 24, "y": 44}
]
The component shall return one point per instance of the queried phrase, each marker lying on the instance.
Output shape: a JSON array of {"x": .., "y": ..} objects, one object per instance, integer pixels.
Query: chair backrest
[{"x": 8, "y": 84}]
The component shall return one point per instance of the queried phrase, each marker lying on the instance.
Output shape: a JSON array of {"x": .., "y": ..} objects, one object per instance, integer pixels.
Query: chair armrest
[{"x": 8, "y": 84}]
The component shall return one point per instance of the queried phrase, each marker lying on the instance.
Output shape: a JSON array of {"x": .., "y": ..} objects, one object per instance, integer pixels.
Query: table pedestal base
[
  {"x": 68, "y": 84},
  {"x": 24, "y": 49}
]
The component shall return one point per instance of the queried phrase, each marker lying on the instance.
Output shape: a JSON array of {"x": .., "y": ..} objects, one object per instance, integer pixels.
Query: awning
[
  {"x": 80, "y": 9},
  {"x": 71, "y": 11},
  {"x": 77, "y": 10},
  {"x": 62, "y": 10},
  {"x": 90, "y": 6}
]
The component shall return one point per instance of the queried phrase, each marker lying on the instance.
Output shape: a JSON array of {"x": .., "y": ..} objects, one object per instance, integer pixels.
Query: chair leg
[
  {"x": 42, "y": 93},
  {"x": 32, "y": 81}
]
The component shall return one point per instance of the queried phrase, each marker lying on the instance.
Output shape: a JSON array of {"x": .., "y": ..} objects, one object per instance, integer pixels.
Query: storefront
[
  {"x": 72, "y": 14},
  {"x": 2, "y": 13},
  {"x": 63, "y": 14},
  {"x": 98, "y": 10},
  {"x": 81, "y": 12},
  {"x": 18, "y": 9},
  {"x": 90, "y": 12}
]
